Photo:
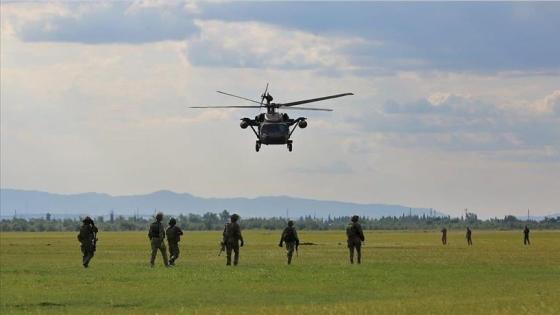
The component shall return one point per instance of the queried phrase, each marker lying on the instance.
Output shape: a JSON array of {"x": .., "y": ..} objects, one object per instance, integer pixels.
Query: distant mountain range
[{"x": 36, "y": 203}]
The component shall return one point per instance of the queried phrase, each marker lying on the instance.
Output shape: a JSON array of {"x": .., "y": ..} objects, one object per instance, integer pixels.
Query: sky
[{"x": 456, "y": 105}]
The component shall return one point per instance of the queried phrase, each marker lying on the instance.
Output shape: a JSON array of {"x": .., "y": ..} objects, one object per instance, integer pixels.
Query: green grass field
[{"x": 402, "y": 272}]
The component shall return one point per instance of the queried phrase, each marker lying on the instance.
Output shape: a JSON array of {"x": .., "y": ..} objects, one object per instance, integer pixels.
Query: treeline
[{"x": 216, "y": 221}]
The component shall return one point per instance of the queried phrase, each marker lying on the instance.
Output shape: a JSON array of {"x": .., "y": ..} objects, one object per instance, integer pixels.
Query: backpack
[
  {"x": 290, "y": 234},
  {"x": 229, "y": 231},
  {"x": 352, "y": 231},
  {"x": 156, "y": 230}
]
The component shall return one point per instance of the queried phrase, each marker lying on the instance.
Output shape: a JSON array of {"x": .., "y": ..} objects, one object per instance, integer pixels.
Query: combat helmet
[
  {"x": 159, "y": 216},
  {"x": 172, "y": 221}
]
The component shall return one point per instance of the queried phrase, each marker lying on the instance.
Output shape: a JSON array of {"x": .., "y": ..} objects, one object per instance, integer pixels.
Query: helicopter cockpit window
[{"x": 274, "y": 128}]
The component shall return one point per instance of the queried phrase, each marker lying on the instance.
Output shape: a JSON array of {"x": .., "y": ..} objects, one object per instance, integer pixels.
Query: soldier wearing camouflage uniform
[
  {"x": 173, "y": 233},
  {"x": 289, "y": 235},
  {"x": 156, "y": 234},
  {"x": 468, "y": 236},
  {"x": 444, "y": 236},
  {"x": 232, "y": 237},
  {"x": 526, "y": 236},
  {"x": 87, "y": 238},
  {"x": 355, "y": 238}
]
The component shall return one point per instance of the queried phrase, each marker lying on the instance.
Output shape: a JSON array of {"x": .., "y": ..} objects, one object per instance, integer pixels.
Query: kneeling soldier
[
  {"x": 173, "y": 233},
  {"x": 289, "y": 235},
  {"x": 232, "y": 237},
  {"x": 88, "y": 238},
  {"x": 157, "y": 240},
  {"x": 355, "y": 238}
]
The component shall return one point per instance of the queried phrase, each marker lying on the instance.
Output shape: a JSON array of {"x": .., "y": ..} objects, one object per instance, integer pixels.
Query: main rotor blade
[
  {"x": 314, "y": 100},
  {"x": 265, "y": 90},
  {"x": 241, "y": 97},
  {"x": 224, "y": 106},
  {"x": 308, "y": 108}
]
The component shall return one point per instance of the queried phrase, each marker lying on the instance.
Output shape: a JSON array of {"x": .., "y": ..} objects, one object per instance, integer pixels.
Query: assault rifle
[{"x": 222, "y": 247}]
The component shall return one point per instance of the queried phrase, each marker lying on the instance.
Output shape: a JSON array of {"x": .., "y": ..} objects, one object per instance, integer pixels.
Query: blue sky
[{"x": 457, "y": 105}]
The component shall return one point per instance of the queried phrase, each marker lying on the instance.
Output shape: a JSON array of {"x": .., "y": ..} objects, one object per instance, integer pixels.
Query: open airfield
[{"x": 402, "y": 272}]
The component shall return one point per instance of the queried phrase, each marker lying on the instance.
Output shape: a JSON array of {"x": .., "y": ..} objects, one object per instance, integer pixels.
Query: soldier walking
[
  {"x": 88, "y": 239},
  {"x": 444, "y": 236},
  {"x": 469, "y": 236},
  {"x": 173, "y": 233},
  {"x": 526, "y": 236},
  {"x": 232, "y": 237},
  {"x": 156, "y": 234},
  {"x": 290, "y": 237},
  {"x": 355, "y": 238}
]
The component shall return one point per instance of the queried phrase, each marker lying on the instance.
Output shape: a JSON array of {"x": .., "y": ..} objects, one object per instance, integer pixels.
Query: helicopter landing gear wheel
[
  {"x": 257, "y": 146},
  {"x": 290, "y": 146}
]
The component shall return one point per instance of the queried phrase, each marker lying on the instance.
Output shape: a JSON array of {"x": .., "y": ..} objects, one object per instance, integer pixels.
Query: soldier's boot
[
  {"x": 228, "y": 261},
  {"x": 87, "y": 257},
  {"x": 153, "y": 258},
  {"x": 359, "y": 258},
  {"x": 235, "y": 260},
  {"x": 289, "y": 259},
  {"x": 164, "y": 257},
  {"x": 351, "y": 256}
]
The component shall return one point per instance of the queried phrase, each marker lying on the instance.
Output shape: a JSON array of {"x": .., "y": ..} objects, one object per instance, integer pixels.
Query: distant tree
[{"x": 224, "y": 216}]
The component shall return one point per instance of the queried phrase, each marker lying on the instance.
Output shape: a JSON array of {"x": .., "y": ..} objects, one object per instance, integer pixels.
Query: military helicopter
[{"x": 274, "y": 127}]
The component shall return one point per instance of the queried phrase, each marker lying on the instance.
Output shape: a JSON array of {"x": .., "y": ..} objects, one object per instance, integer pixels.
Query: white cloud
[
  {"x": 454, "y": 122},
  {"x": 550, "y": 104},
  {"x": 16, "y": 15},
  {"x": 252, "y": 44}
]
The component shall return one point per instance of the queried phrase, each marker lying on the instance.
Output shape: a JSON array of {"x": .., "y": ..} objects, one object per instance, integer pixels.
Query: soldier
[
  {"x": 468, "y": 236},
  {"x": 88, "y": 239},
  {"x": 526, "y": 236},
  {"x": 173, "y": 233},
  {"x": 289, "y": 235},
  {"x": 156, "y": 234},
  {"x": 232, "y": 236},
  {"x": 444, "y": 236},
  {"x": 355, "y": 238}
]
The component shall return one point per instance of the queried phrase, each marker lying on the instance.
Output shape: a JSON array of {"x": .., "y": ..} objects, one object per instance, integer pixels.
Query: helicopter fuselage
[{"x": 273, "y": 128}]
